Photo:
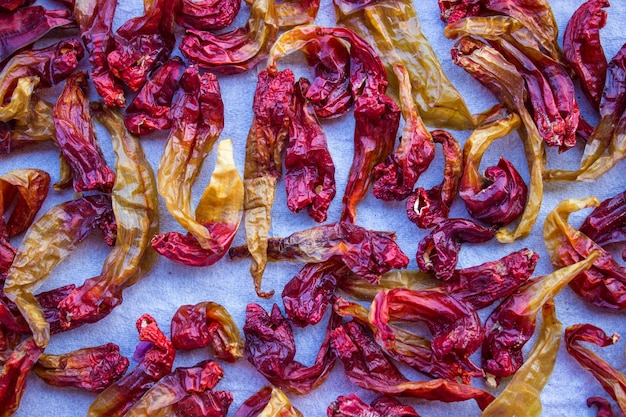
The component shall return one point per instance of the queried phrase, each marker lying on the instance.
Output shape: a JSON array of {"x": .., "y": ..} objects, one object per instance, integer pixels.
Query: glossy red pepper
[
  {"x": 13, "y": 4},
  {"x": 207, "y": 14},
  {"x": 385, "y": 406},
  {"x": 13, "y": 375},
  {"x": 23, "y": 190},
  {"x": 268, "y": 400},
  {"x": 606, "y": 224}
]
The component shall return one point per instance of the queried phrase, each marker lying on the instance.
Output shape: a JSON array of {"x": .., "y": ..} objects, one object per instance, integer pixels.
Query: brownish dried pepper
[
  {"x": 268, "y": 402},
  {"x": 13, "y": 375},
  {"x": 92, "y": 369},
  {"x": 136, "y": 212},
  {"x": 207, "y": 14}
]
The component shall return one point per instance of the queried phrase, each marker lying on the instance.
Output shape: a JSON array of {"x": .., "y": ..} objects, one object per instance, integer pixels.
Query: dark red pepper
[
  {"x": 385, "y": 406},
  {"x": 607, "y": 223},
  {"x": 13, "y": 375},
  {"x": 207, "y": 14}
]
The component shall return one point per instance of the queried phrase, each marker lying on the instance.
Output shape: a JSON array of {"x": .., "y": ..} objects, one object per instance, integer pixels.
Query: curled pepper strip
[
  {"x": 207, "y": 14},
  {"x": 271, "y": 348},
  {"x": 150, "y": 110},
  {"x": 492, "y": 70},
  {"x": 77, "y": 140},
  {"x": 604, "y": 284},
  {"x": 186, "y": 391},
  {"x": 613, "y": 381},
  {"x": 37, "y": 126},
  {"x": 498, "y": 197},
  {"x": 135, "y": 205},
  {"x": 583, "y": 49},
  {"x": 607, "y": 222},
  {"x": 396, "y": 177},
  {"x": 48, "y": 241},
  {"x": 310, "y": 172},
  {"x": 512, "y": 323},
  {"x": 367, "y": 367},
  {"x": 156, "y": 356},
  {"x": 384, "y": 406},
  {"x": 393, "y": 29},
  {"x": 368, "y": 254},
  {"x": 524, "y": 389},
  {"x": 92, "y": 369},
  {"x": 267, "y": 402},
  {"x": 207, "y": 323},
  {"x": 238, "y": 50},
  {"x": 13, "y": 375},
  {"x": 263, "y": 167},
  {"x": 28, "y": 24}
]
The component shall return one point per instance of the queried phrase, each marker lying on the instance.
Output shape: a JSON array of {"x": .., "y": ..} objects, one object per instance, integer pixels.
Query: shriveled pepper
[
  {"x": 155, "y": 355},
  {"x": 292, "y": 13},
  {"x": 604, "y": 284},
  {"x": 186, "y": 391},
  {"x": 13, "y": 375},
  {"x": 267, "y": 402},
  {"x": 607, "y": 222},
  {"x": 238, "y": 50},
  {"x": 385, "y": 406},
  {"x": 393, "y": 29},
  {"x": 512, "y": 323},
  {"x": 37, "y": 126},
  {"x": 613, "y": 381},
  {"x": 136, "y": 212},
  {"x": 25, "y": 190},
  {"x": 207, "y": 14},
  {"x": 204, "y": 324},
  {"x": 92, "y": 369}
]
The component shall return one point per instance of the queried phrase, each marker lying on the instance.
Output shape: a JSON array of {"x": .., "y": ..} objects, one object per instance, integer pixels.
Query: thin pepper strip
[
  {"x": 267, "y": 402},
  {"x": 393, "y": 30},
  {"x": 512, "y": 323},
  {"x": 48, "y": 241},
  {"x": 238, "y": 50},
  {"x": 92, "y": 369},
  {"x": 135, "y": 204},
  {"x": 155, "y": 355},
  {"x": 492, "y": 70},
  {"x": 207, "y": 14},
  {"x": 13, "y": 375},
  {"x": 613, "y": 381},
  {"x": 604, "y": 284}
]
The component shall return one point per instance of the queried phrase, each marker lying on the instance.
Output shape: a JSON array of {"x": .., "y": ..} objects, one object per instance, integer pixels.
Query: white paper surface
[{"x": 169, "y": 285}]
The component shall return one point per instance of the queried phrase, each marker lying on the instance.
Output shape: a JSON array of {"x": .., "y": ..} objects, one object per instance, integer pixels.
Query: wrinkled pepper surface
[
  {"x": 207, "y": 14},
  {"x": 267, "y": 402}
]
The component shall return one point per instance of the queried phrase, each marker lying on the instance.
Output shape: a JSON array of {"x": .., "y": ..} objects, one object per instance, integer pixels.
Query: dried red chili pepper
[
  {"x": 292, "y": 13},
  {"x": 367, "y": 367},
  {"x": 150, "y": 109},
  {"x": 497, "y": 197},
  {"x": 25, "y": 190},
  {"x": 268, "y": 401},
  {"x": 512, "y": 323},
  {"x": 76, "y": 138},
  {"x": 307, "y": 294},
  {"x": 207, "y": 14},
  {"x": 396, "y": 177},
  {"x": 604, "y": 408},
  {"x": 186, "y": 392},
  {"x": 310, "y": 172},
  {"x": 155, "y": 355},
  {"x": 604, "y": 284},
  {"x": 613, "y": 381},
  {"x": 95, "y": 20},
  {"x": 13, "y": 375},
  {"x": 438, "y": 252},
  {"x": 455, "y": 325},
  {"x": 14, "y": 4},
  {"x": 25, "y": 26},
  {"x": 607, "y": 222},
  {"x": 92, "y": 369},
  {"x": 427, "y": 208},
  {"x": 238, "y": 50},
  {"x": 583, "y": 49},
  {"x": 204, "y": 324},
  {"x": 271, "y": 348},
  {"x": 367, "y": 253},
  {"x": 385, "y": 406}
]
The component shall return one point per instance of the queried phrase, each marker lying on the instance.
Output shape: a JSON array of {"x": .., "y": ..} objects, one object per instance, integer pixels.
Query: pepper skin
[
  {"x": 268, "y": 402},
  {"x": 13, "y": 375},
  {"x": 385, "y": 406},
  {"x": 607, "y": 223},
  {"x": 207, "y": 14}
]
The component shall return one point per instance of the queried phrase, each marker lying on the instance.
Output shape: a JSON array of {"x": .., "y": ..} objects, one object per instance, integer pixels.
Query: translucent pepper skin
[
  {"x": 292, "y": 13},
  {"x": 156, "y": 358},
  {"x": 48, "y": 241},
  {"x": 207, "y": 14},
  {"x": 77, "y": 140},
  {"x": 613, "y": 381},
  {"x": 270, "y": 348},
  {"x": 135, "y": 205},
  {"x": 92, "y": 369},
  {"x": 186, "y": 391},
  {"x": 368, "y": 254},
  {"x": 583, "y": 49},
  {"x": 498, "y": 197},
  {"x": 269, "y": 401},
  {"x": 266, "y": 141},
  {"x": 512, "y": 323},
  {"x": 367, "y": 367},
  {"x": 238, "y": 50},
  {"x": 310, "y": 171},
  {"x": 13, "y": 375},
  {"x": 607, "y": 222},
  {"x": 393, "y": 29},
  {"x": 27, "y": 25},
  {"x": 150, "y": 110},
  {"x": 604, "y": 284},
  {"x": 523, "y": 392},
  {"x": 385, "y": 406},
  {"x": 204, "y": 324},
  {"x": 36, "y": 127}
]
